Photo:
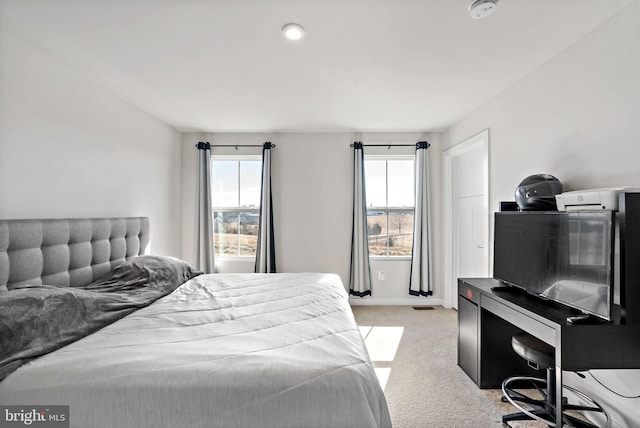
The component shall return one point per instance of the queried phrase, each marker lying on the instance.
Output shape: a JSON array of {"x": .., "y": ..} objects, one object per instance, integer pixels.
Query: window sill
[
  {"x": 390, "y": 259},
  {"x": 246, "y": 259}
]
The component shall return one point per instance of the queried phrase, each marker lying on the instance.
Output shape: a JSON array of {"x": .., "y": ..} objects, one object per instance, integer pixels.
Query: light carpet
[{"x": 415, "y": 355}]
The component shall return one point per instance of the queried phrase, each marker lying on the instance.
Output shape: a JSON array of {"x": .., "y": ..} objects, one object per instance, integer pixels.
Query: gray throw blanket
[{"x": 38, "y": 319}]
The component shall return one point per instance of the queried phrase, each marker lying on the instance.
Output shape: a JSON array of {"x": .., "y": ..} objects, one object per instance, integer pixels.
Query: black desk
[{"x": 489, "y": 315}]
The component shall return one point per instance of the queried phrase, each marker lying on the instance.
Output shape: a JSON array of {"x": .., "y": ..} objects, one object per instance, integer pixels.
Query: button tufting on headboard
[{"x": 67, "y": 252}]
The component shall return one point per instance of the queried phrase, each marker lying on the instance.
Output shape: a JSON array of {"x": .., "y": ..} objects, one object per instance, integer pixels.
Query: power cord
[{"x": 609, "y": 389}]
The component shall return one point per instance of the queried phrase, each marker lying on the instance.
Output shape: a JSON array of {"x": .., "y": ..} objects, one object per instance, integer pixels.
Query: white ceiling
[{"x": 364, "y": 65}]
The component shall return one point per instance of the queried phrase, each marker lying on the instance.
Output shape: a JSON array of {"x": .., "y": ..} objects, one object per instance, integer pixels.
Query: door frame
[{"x": 479, "y": 142}]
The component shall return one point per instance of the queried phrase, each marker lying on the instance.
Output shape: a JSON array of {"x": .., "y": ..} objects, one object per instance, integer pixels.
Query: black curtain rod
[
  {"x": 237, "y": 146},
  {"x": 390, "y": 145}
]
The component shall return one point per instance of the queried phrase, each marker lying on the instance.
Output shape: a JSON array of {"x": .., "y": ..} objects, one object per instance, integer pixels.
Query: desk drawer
[{"x": 520, "y": 320}]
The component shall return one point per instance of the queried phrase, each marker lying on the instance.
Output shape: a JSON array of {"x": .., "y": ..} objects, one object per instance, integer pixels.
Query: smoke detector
[{"x": 481, "y": 8}]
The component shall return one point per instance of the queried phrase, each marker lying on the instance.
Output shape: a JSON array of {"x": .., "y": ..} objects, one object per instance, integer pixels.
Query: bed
[{"x": 219, "y": 350}]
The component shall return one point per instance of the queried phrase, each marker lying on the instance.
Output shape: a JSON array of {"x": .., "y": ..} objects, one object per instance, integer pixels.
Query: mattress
[{"x": 223, "y": 350}]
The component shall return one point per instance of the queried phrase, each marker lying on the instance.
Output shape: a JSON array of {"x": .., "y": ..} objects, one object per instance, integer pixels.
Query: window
[
  {"x": 236, "y": 204},
  {"x": 390, "y": 205}
]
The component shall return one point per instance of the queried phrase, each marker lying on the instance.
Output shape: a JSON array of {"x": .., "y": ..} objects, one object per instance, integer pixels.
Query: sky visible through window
[
  {"x": 236, "y": 184},
  {"x": 400, "y": 182},
  {"x": 228, "y": 192}
]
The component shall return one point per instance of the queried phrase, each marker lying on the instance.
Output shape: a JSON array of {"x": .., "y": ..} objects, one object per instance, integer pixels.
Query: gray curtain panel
[
  {"x": 265, "y": 252},
  {"x": 203, "y": 254},
  {"x": 421, "y": 278},
  {"x": 360, "y": 280}
]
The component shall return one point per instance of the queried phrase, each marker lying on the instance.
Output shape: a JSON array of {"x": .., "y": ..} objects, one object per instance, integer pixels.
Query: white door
[
  {"x": 467, "y": 213},
  {"x": 470, "y": 216}
]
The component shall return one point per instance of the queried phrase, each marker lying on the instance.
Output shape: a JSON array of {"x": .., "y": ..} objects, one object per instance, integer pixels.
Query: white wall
[
  {"x": 577, "y": 117},
  {"x": 312, "y": 178},
  {"x": 68, "y": 148}
]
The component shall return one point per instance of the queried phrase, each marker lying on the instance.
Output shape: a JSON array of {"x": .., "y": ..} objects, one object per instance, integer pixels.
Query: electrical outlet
[{"x": 381, "y": 275}]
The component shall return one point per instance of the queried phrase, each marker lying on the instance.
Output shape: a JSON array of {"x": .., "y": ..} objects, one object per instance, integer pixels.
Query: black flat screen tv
[{"x": 562, "y": 256}]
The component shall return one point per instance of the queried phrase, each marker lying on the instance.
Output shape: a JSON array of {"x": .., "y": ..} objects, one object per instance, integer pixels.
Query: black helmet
[{"x": 538, "y": 193}]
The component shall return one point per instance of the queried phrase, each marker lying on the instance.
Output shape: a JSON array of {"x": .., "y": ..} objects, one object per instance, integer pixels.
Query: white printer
[{"x": 592, "y": 199}]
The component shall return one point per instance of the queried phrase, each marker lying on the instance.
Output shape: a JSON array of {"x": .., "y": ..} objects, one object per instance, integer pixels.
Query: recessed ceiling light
[
  {"x": 481, "y": 8},
  {"x": 293, "y": 31}
]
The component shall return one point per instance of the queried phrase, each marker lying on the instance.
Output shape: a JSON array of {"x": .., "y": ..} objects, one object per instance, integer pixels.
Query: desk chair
[{"x": 539, "y": 355}]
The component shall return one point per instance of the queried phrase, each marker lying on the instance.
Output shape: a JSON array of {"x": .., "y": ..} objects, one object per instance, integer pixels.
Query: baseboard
[{"x": 418, "y": 301}]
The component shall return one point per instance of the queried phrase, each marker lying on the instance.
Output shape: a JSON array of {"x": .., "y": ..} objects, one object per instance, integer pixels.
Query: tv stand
[{"x": 489, "y": 315}]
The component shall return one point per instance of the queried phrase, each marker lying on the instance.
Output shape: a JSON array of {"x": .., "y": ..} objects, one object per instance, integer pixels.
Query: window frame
[
  {"x": 390, "y": 209},
  {"x": 237, "y": 209}
]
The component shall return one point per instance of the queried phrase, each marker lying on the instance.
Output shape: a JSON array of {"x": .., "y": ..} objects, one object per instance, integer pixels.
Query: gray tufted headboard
[{"x": 69, "y": 252}]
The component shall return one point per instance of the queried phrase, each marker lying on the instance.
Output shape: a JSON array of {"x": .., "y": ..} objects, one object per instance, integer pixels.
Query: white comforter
[{"x": 223, "y": 350}]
